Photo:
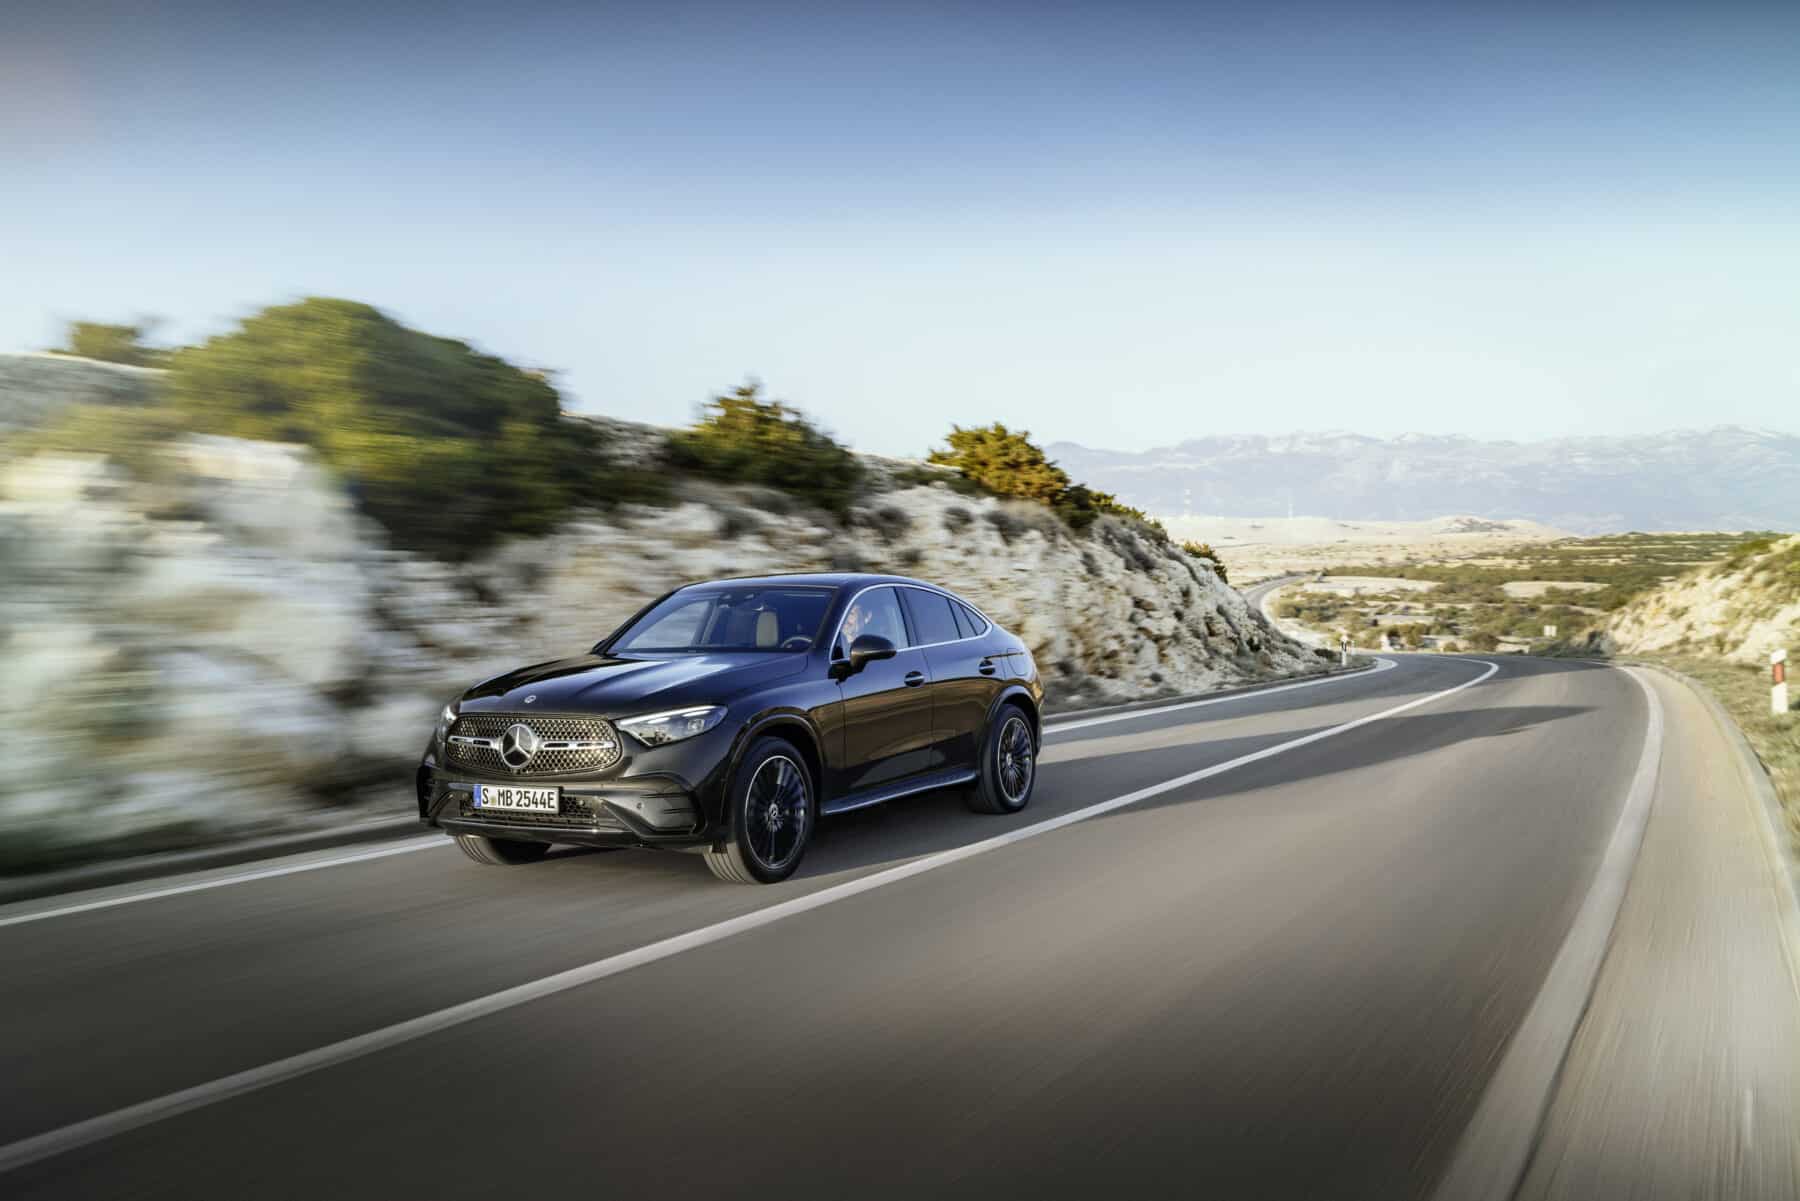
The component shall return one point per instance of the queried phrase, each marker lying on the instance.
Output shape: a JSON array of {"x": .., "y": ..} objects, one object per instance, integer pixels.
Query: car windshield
[{"x": 728, "y": 619}]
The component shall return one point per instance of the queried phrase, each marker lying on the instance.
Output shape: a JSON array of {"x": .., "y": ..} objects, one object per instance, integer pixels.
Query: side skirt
[{"x": 889, "y": 792}]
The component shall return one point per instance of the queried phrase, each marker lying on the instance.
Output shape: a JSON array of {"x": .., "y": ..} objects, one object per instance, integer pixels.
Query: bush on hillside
[
  {"x": 446, "y": 447},
  {"x": 1203, "y": 550},
  {"x": 1007, "y": 462},
  {"x": 744, "y": 439},
  {"x": 113, "y": 344}
]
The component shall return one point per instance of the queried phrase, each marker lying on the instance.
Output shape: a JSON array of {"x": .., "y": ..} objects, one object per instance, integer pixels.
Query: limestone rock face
[
  {"x": 229, "y": 647},
  {"x": 33, "y": 387}
]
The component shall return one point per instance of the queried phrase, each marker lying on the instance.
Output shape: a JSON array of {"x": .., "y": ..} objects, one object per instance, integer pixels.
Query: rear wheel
[
  {"x": 500, "y": 852},
  {"x": 1008, "y": 764},
  {"x": 770, "y": 814}
]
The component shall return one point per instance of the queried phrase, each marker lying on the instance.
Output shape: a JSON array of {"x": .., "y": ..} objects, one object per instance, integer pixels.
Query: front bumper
[
  {"x": 671, "y": 795},
  {"x": 634, "y": 812}
]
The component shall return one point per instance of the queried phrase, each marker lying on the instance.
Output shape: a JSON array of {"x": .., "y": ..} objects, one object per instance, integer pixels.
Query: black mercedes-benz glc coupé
[{"x": 726, "y": 717}]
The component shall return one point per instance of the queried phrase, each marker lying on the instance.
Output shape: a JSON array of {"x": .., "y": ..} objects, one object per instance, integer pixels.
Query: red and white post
[{"x": 1778, "y": 697}]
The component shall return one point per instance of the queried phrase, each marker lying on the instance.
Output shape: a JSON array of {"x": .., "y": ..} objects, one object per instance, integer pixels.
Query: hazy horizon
[{"x": 1117, "y": 226}]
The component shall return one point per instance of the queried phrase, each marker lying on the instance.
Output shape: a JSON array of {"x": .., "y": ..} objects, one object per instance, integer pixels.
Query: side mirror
[{"x": 864, "y": 651}]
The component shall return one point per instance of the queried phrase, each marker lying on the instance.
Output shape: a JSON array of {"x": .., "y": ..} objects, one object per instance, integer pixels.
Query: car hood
[{"x": 620, "y": 687}]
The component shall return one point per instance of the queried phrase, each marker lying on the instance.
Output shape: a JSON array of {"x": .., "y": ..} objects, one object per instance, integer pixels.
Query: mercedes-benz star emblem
[{"x": 518, "y": 747}]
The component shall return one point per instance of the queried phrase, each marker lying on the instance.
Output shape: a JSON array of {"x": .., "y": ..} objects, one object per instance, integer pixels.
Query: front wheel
[
  {"x": 770, "y": 816},
  {"x": 1008, "y": 764}
]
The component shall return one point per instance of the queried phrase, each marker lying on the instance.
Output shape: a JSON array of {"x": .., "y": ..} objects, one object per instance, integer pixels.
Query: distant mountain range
[{"x": 1725, "y": 478}]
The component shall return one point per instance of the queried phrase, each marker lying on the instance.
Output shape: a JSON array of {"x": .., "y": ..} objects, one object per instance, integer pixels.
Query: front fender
[{"x": 797, "y": 726}]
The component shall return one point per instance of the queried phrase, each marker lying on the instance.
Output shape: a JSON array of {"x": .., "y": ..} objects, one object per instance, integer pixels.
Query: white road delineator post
[
  {"x": 1778, "y": 697},
  {"x": 1343, "y": 650}
]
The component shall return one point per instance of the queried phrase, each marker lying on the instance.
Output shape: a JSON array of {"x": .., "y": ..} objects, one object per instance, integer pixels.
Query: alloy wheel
[
  {"x": 1017, "y": 759},
  {"x": 777, "y": 807}
]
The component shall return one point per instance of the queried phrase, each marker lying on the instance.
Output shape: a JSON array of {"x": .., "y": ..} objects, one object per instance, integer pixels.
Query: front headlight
[
  {"x": 657, "y": 729},
  {"x": 445, "y": 720}
]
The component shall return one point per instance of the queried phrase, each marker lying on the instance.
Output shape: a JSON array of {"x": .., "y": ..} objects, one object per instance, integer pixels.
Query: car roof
[{"x": 823, "y": 579}]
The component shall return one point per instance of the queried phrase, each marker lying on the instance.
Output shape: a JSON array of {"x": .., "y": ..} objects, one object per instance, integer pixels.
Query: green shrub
[
  {"x": 446, "y": 447},
  {"x": 743, "y": 439},
  {"x": 113, "y": 344},
  {"x": 1004, "y": 462},
  {"x": 1203, "y": 550}
]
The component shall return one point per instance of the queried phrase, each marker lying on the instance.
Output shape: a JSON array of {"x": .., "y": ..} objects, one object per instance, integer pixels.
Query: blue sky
[{"x": 1118, "y": 224}]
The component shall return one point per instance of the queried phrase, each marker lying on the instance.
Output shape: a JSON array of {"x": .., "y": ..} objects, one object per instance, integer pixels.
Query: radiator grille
[{"x": 550, "y": 759}]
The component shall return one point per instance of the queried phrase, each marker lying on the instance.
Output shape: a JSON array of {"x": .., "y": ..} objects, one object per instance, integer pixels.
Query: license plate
[{"x": 518, "y": 800}]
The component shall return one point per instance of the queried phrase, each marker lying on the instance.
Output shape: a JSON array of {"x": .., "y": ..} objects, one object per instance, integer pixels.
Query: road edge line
[
  {"x": 276, "y": 870},
  {"x": 49, "y": 1143},
  {"x": 164, "y": 865},
  {"x": 1495, "y": 1147}
]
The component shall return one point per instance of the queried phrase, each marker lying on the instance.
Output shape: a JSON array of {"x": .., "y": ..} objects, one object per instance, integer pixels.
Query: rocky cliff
[
  {"x": 223, "y": 645},
  {"x": 33, "y": 387}
]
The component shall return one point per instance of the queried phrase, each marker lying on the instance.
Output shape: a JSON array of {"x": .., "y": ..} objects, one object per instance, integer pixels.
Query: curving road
[
  {"x": 1257, "y": 596},
  {"x": 1270, "y": 945}
]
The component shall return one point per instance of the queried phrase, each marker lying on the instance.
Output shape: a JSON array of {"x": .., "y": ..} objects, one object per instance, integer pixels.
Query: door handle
[
  {"x": 986, "y": 668},
  {"x": 914, "y": 678}
]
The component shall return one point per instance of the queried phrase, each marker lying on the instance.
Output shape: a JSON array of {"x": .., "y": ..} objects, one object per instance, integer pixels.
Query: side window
[
  {"x": 876, "y": 611},
  {"x": 971, "y": 619},
  {"x": 932, "y": 619}
]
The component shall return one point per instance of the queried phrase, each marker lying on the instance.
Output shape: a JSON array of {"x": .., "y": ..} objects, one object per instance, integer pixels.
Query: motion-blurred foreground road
[{"x": 1292, "y": 978}]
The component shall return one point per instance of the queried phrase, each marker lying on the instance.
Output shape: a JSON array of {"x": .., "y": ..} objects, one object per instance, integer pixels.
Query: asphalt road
[{"x": 1288, "y": 968}]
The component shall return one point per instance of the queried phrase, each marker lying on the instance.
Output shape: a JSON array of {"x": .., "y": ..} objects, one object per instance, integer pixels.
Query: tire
[
  {"x": 500, "y": 852},
  {"x": 1008, "y": 764},
  {"x": 771, "y": 810}
]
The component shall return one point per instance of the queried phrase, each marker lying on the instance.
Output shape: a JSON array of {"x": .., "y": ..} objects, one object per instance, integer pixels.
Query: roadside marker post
[{"x": 1778, "y": 697}]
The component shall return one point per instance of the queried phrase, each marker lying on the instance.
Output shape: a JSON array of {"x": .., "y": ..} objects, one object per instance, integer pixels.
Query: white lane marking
[
  {"x": 1490, "y": 1159},
  {"x": 119, "y": 1121},
  {"x": 156, "y": 894},
  {"x": 262, "y": 873},
  {"x": 1052, "y": 726}
]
